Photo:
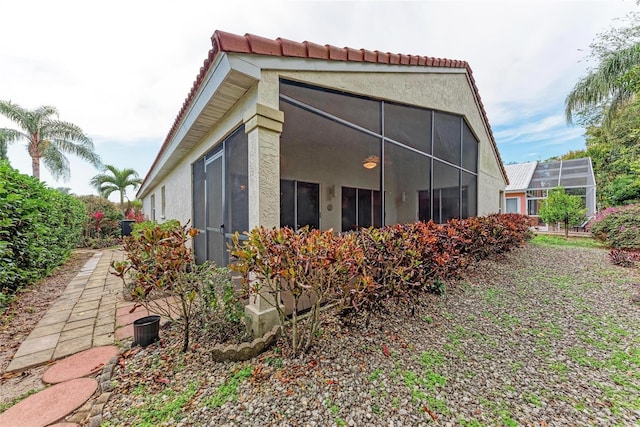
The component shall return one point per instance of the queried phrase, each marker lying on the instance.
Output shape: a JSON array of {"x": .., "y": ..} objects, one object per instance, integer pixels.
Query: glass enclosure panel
[
  {"x": 361, "y": 111},
  {"x": 511, "y": 205},
  {"x": 533, "y": 206},
  {"x": 576, "y": 191},
  {"x": 469, "y": 149},
  {"x": 424, "y": 205},
  {"x": 308, "y": 205},
  {"x": 237, "y": 182},
  {"x": 287, "y": 204},
  {"x": 349, "y": 209},
  {"x": 199, "y": 211},
  {"x": 408, "y": 125},
  {"x": 446, "y": 192},
  {"x": 216, "y": 250},
  {"x": 364, "y": 208},
  {"x": 469, "y": 195},
  {"x": 407, "y": 176},
  {"x": 446, "y": 137},
  {"x": 573, "y": 181}
]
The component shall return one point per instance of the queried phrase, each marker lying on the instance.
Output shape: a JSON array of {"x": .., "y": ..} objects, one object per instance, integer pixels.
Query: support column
[{"x": 263, "y": 126}]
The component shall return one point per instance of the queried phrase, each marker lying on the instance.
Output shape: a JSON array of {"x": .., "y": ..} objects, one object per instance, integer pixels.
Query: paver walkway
[{"x": 84, "y": 316}]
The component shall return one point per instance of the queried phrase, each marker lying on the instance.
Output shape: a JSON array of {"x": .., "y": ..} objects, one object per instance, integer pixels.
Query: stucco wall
[{"x": 441, "y": 91}]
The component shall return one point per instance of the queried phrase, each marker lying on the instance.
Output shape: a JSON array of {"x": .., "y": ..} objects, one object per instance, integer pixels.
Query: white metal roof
[{"x": 520, "y": 175}]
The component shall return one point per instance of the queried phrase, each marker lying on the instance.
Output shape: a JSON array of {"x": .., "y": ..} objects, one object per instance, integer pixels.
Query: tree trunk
[
  {"x": 566, "y": 228},
  {"x": 35, "y": 166}
]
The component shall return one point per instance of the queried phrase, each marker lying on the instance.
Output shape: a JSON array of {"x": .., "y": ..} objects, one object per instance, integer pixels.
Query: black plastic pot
[
  {"x": 145, "y": 330},
  {"x": 126, "y": 225}
]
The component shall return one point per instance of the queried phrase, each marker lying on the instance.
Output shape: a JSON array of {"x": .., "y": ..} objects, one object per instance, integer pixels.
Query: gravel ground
[{"x": 544, "y": 336}]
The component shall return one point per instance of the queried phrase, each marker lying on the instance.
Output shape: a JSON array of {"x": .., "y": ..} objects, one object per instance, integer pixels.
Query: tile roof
[
  {"x": 520, "y": 175},
  {"x": 252, "y": 44}
]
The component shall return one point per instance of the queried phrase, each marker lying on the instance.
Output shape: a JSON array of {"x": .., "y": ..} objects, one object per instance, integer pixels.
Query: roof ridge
[{"x": 222, "y": 41}]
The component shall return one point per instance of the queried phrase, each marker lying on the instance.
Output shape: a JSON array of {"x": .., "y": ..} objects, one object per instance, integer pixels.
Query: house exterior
[
  {"x": 516, "y": 192},
  {"x": 529, "y": 184},
  {"x": 275, "y": 132}
]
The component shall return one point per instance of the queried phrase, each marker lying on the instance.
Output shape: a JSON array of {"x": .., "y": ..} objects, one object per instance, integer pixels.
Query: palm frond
[
  {"x": 15, "y": 113},
  {"x": 604, "y": 84},
  {"x": 56, "y": 162}
]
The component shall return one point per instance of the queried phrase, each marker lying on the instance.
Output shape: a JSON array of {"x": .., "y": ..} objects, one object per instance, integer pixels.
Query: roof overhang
[{"x": 223, "y": 86}]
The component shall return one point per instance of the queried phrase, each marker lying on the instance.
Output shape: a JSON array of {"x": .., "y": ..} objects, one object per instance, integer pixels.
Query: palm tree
[
  {"x": 117, "y": 180},
  {"x": 610, "y": 85},
  {"x": 48, "y": 138},
  {"x": 3, "y": 145}
]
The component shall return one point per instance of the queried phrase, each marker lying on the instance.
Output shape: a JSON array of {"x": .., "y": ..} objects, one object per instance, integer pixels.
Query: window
[
  {"x": 299, "y": 204},
  {"x": 163, "y": 203},
  {"x": 153, "y": 207},
  {"x": 360, "y": 208},
  {"x": 512, "y": 205}
]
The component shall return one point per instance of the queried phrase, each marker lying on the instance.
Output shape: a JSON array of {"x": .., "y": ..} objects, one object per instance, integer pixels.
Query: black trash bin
[
  {"x": 146, "y": 330},
  {"x": 126, "y": 225}
]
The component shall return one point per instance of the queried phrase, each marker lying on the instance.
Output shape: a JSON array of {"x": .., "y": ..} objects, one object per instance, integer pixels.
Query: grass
[
  {"x": 576, "y": 242},
  {"x": 161, "y": 407},
  {"x": 20, "y": 398},
  {"x": 229, "y": 389}
]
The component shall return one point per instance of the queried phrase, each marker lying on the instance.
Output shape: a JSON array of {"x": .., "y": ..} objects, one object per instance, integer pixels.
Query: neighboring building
[
  {"x": 529, "y": 184},
  {"x": 516, "y": 192},
  {"x": 276, "y": 132}
]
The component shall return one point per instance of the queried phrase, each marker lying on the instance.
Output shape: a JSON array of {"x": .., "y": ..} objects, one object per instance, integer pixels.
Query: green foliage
[
  {"x": 47, "y": 138},
  {"x": 114, "y": 179},
  {"x": 160, "y": 267},
  {"x": 310, "y": 264},
  {"x": 228, "y": 390},
  {"x": 159, "y": 408},
  {"x": 102, "y": 225},
  {"x": 361, "y": 271},
  {"x": 578, "y": 242},
  {"x": 219, "y": 313},
  {"x": 562, "y": 207},
  {"x": 618, "y": 228},
  {"x": 38, "y": 228}
]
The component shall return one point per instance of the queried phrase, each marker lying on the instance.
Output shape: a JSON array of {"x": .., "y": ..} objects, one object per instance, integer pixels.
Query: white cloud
[{"x": 121, "y": 70}]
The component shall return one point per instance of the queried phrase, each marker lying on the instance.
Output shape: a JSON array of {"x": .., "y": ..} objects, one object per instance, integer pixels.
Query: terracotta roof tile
[
  {"x": 227, "y": 42},
  {"x": 317, "y": 51},
  {"x": 291, "y": 48}
]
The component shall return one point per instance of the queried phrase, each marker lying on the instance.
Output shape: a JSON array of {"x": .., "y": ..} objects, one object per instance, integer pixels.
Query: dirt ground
[{"x": 22, "y": 316}]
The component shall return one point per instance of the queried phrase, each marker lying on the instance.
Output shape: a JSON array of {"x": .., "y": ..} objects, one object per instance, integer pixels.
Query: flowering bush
[
  {"x": 102, "y": 227},
  {"x": 618, "y": 227}
]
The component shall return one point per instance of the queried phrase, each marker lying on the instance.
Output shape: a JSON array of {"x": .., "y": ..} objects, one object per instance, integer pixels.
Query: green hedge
[
  {"x": 38, "y": 228},
  {"x": 618, "y": 227}
]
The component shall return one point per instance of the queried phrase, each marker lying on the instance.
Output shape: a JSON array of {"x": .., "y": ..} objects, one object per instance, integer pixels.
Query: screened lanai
[{"x": 575, "y": 176}]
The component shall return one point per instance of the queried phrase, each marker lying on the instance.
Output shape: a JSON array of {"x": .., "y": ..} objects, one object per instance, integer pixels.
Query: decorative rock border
[{"x": 245, "y": 351}]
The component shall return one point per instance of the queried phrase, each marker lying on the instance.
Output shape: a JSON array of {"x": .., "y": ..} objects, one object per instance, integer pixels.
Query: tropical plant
[
  {"x": 48, "y": 139},
  {"x": 608, "y": 85},
  {"x": 562, "y": 207},
  {"x": 3, "y": 145},
  {"x": 160, "y": 273},
  {"x": 115, "y": 179},
  {"x": 39, "y": 227},
  {"x": 618, "y": 227}
]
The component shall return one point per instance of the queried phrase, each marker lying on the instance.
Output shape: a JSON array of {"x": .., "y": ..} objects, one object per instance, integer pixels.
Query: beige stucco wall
[
  {"x": 446, "y": 92},
  {"x": 450, "y": 92}
]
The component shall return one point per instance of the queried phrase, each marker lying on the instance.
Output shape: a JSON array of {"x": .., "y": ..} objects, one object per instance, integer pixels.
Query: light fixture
[{"x": 370, "y": 162}]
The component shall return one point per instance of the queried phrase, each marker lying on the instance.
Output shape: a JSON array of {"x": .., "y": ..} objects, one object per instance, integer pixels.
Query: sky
[{"x": 122, "y": 69}]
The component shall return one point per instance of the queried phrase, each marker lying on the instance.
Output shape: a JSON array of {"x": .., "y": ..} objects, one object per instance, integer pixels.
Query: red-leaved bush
[{"x": 362, "y": 271}]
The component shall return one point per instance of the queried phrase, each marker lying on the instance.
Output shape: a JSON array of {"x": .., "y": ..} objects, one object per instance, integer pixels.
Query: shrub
[
  {"x": 39, "y": 226},
  {"x": 362, "y": 271},
  {"x": 623, "y": 258},
  {"x": 219, "y": 314},
  {"x": 102, "y": 225},
  {"x": 310, "y": 263},
  {"x": 618, "y": 227},
  {"x": 160, "y": 273}
]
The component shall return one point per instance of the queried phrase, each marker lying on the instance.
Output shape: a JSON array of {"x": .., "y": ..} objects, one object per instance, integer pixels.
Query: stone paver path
[
  {"x": 81, "y": 318},
  {"x": 50, "y": 404}
]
